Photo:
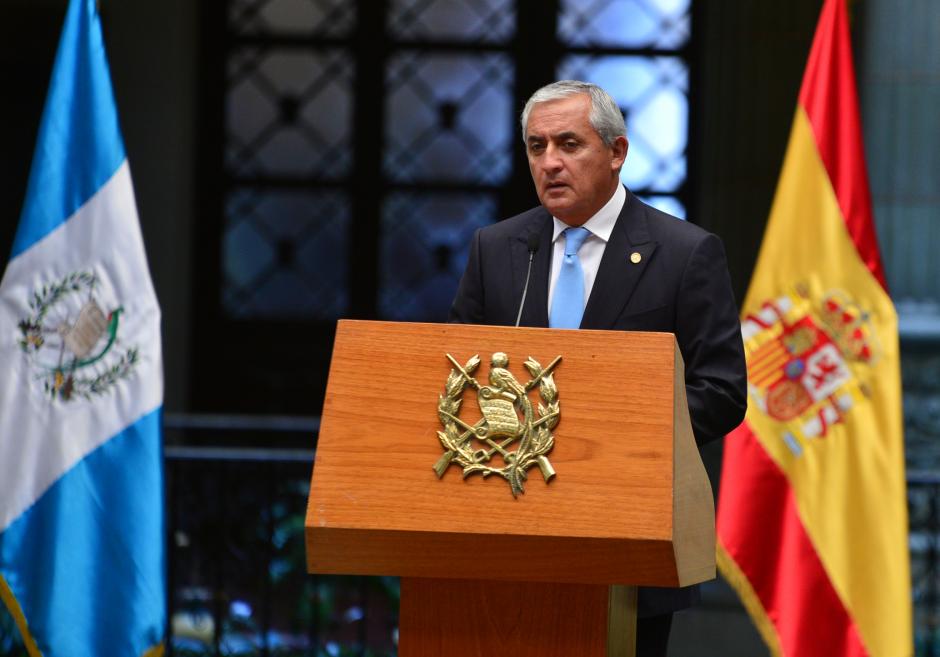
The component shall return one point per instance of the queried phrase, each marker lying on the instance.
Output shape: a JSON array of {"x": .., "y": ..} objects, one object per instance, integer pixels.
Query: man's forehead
[
  {"x": 554, "y": 136},
  {"x": 551, "y": 118}
]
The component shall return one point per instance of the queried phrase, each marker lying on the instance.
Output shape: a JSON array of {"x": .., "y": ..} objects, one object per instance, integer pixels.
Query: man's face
[{"x": 574, "y": 172}]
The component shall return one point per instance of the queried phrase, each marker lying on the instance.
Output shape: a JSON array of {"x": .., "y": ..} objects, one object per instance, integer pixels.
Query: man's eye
[
  {"x": 570, "y": 145},
  {"x": 536, "y": 148}
]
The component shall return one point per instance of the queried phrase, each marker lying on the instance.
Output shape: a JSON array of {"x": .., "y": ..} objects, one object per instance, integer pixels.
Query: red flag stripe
[
  {"x": 829, "y": 98},
  {"x": 759, "y": 527}
]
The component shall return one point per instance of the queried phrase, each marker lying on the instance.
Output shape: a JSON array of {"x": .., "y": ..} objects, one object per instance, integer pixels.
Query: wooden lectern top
[{"x": 630, "y": 502}]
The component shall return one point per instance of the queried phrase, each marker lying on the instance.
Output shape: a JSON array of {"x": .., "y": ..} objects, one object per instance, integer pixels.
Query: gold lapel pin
[{"x": 635, "y": 257}]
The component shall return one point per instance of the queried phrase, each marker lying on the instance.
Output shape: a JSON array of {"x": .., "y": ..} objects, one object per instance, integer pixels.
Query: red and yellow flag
[{"x": 812, "y": 513}]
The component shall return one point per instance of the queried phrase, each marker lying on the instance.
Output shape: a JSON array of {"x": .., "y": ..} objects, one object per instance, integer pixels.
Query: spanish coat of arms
[
  {"x": 808, "y": 361},
  {"x": 507, "y": 417}
]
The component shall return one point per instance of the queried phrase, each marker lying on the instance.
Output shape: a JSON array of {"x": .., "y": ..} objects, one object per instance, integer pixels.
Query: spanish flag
[{"x": 812, "y": 516}]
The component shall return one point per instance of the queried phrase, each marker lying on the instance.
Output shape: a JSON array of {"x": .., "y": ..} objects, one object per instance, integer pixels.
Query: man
[{"x": 603, "y": 259}]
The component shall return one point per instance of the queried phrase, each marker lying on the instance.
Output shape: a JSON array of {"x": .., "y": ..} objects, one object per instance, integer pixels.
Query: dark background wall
[
  {"x": 751, "y": 57},
  {"x": 747, "y": 59}
]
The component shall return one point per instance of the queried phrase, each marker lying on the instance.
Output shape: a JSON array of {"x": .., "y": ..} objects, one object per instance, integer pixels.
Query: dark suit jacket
[{"x": 681, "y": 286}]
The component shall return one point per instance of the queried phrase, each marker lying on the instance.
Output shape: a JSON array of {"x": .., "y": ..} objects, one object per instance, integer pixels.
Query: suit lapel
[
  {"x": 618, "y": 274},
  {"x": 535, "y": 312}
]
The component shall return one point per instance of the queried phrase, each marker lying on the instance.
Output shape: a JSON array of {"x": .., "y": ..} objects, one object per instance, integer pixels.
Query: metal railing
[
  {"x": 237, "y": 572},
  {"x": 354, "y": 606},
  {"x": 923, "y": 494}
]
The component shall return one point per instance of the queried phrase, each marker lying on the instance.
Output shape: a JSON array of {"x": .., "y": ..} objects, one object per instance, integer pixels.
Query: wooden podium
[{"x": 484, "y": 573}]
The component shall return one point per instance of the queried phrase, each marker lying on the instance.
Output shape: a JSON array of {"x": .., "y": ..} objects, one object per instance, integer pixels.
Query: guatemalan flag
[{"x": 82, "y": 559}]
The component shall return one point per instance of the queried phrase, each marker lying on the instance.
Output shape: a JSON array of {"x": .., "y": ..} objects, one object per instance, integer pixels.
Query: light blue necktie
[{"x": 568, "y": 299}]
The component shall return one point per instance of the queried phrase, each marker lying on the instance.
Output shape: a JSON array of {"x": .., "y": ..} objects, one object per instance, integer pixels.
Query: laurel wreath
[
  {"x": 532, "y": 447},
  {"x": 70, "y": 386},
  {"x": 46, "y": 297}
]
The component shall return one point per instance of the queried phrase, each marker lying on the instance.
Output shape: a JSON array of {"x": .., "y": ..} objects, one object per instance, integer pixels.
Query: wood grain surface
[
  {"x": 487, "y": 619},
  {"x": 377, "y": 507}
]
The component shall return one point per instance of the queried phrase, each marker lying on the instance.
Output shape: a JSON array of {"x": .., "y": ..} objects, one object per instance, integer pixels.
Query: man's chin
[
  {"x": 564, "y": 211},
  {"x": 557, "y": 206}
]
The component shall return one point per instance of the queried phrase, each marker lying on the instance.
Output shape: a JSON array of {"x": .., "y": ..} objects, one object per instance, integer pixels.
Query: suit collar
[
  {"x": 626, "y": 257},
  {"x": 535, "y": 312},
  {"x": 633, "y": 220}
]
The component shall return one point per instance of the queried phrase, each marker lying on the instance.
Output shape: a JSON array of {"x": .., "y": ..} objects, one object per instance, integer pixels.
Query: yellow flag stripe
[
  {"x": 768, "y": 372},
  {"x": 742, "y": 585},
  {"x": 155, "y": 651},
  {"x": 771, "y": 351},
  {"x": 13, "y": 605}
]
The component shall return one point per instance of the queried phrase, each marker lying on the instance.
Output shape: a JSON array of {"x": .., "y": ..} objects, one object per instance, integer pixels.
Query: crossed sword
[{"x": 444, "y": 461}]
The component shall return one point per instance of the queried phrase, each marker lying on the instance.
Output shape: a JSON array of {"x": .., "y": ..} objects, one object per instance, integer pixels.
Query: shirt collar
[{"x": 601, "y": 224}]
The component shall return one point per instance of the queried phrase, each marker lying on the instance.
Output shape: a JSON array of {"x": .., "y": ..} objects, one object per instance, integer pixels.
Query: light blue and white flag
[{"x": 82, "y": 559}]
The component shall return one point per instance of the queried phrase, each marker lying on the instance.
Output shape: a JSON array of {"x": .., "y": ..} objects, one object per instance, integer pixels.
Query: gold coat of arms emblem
[{"x": 511, "y": 436}]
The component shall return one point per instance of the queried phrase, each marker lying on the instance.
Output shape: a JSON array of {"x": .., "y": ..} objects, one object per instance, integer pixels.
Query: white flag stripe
[{"x": 102, "y": 237}]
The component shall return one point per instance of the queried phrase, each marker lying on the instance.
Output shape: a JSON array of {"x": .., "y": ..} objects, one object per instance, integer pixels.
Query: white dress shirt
[{"x": 601, "y": 225}]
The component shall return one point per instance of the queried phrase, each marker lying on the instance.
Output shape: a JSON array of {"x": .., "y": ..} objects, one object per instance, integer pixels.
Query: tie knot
[{"x": 574, "y": 238}]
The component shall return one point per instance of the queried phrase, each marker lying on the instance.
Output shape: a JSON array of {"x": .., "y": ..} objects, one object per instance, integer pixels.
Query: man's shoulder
[
  {"x": 662, "y": 227},
  {"x": 670, "y": 226},
  {"x": 669, "y": 230},
  {"x": 519, "y": 225}
]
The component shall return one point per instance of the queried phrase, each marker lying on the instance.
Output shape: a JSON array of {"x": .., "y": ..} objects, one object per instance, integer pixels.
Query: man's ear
[{"x": 619, "y": 152}]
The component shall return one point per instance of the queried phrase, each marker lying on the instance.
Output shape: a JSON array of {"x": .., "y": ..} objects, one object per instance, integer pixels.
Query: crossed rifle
[{"x": 479, "y": 430}]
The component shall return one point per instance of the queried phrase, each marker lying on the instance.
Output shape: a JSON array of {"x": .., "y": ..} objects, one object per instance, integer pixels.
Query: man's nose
[{"x": 551, "y": 160}]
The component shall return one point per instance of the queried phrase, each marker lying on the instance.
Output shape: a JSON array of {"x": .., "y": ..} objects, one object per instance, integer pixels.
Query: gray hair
[{"x": 605, "y": 116}]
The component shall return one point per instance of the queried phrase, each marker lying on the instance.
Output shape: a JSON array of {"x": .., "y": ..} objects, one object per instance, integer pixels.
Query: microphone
[{"x": 533, "y": 244}]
